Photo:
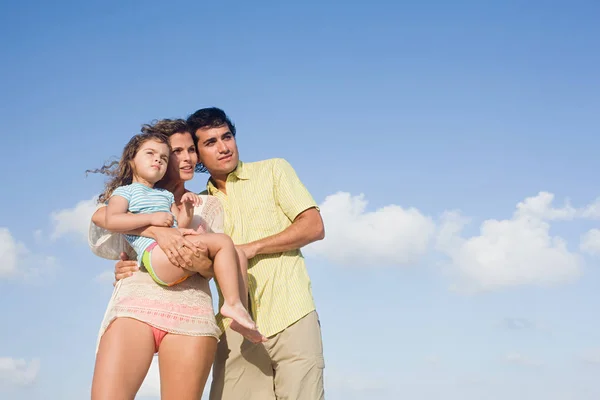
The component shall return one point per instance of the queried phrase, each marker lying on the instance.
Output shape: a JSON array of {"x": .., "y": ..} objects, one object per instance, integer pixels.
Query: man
[{"x": 270, "y": 215}]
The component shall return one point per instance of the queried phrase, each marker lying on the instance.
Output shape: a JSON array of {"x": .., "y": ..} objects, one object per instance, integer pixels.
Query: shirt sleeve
[
  {"x": 290, "y": 193},
  {"x": 123, "y": 191}
]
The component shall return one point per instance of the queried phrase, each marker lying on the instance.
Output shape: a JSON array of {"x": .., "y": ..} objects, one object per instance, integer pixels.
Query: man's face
[{"x": 217, "y": 150}]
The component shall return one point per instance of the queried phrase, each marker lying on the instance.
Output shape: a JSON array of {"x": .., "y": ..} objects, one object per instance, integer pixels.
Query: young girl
[{"x": 134, "y": 202}]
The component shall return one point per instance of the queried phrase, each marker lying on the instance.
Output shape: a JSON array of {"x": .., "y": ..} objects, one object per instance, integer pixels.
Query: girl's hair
[{"x": 121, "y": 171}]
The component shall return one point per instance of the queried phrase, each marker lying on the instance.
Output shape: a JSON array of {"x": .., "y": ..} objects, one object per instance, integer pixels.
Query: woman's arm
[{"x": 178, "y": 249}]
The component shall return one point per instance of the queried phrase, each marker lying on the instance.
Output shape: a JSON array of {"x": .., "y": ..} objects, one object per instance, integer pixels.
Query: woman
[{"x": 143, "y": 318}]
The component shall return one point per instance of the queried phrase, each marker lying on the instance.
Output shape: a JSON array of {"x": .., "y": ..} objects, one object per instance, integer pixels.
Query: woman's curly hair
[{"x": 168, "y": 127}]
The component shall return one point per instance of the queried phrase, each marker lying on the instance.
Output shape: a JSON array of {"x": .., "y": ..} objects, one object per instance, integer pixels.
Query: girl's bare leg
[
  {"x": 243, "y": 277},
  {"x": 164, "y": 270},
  {"x": 227, "y": 272},
  {"x": 184, "y": 364},
  {"x": 226, "y": 265},
  {"x": 252, "y": 335},
  {"x": 124, "y": 356}
]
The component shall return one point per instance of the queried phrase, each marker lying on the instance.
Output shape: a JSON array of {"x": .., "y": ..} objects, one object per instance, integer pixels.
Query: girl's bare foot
[
  {"x": 238, "y": 313},
  {"x": 252, "y": 335},
  {"x": 242, "y": 322}
]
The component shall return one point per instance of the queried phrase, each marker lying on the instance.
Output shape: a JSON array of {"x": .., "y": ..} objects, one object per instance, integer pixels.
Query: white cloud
[
  {"x": 10, "y": 252},
  {"x": 510, "y": 252},
  {"x": 591, "y": 211},
  {"x": 18, "y": 372},
  {"x": 73, "y": 221},
  {"x": 391, "y": 235},
  {"x": 590, "y": 242},
  {"x": 107, "y": 276},
  {"x": 520, "y": 359},
  {"x": 540, "y": 207},
  {"x": 19, "y": 262},
  {"x": 591, "y": 356}
]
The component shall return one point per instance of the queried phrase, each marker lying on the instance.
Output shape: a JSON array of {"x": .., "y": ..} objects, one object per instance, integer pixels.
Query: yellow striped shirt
[{"x": 263, "y": 198}]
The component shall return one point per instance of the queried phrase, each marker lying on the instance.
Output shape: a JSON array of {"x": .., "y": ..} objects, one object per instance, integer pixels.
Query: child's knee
[{"x": 222, "y": 239}]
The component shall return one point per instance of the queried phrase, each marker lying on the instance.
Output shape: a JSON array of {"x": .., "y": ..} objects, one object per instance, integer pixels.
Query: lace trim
[{"x": 160, "y": 314}]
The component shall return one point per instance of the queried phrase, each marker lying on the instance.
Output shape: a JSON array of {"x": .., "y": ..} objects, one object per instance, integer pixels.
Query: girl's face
[
  {"x": 183, "y": 158},
  {"x": 150, "y": 162}
]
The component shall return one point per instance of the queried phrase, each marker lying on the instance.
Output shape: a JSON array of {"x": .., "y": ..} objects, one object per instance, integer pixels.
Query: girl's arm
[
  {"x": 185, "y": 215},
  {"x": 188, "y": 201},
  {"x": 117, "y": 219}
]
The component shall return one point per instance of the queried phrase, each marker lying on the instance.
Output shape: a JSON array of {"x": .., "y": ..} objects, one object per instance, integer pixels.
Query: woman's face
[{"x": 183, "y": 157}]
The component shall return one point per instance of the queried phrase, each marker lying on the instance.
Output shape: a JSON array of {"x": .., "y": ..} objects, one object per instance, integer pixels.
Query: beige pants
[{"x": 289, "y": 366}]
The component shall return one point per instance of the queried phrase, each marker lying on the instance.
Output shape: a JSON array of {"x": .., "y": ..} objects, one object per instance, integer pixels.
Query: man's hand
[
  {"x": 164, "y": 219},
  {"x": 249, "y": 249},
  {"x": 124, "y": 268}
]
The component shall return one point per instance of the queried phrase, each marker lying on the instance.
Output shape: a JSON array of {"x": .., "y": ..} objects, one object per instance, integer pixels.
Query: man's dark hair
[
  {"x": 212, "y": 117},
  {"x": 207, "y": 118}
]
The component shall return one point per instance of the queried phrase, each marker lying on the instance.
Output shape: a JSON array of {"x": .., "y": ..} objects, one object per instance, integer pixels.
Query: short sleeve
[
  {"x": 123, "y": 191},
  {"x": 171, "y": 198},
  {"x": 290, "y": 192},
  {"x": 107, "y": 244}
]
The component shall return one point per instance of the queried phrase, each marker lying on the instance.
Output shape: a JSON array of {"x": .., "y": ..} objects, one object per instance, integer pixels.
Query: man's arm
[{"x": 306, "y": 228}]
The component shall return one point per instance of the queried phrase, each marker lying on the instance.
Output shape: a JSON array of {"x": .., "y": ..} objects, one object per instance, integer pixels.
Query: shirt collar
[{"x": 239, "y": 172}]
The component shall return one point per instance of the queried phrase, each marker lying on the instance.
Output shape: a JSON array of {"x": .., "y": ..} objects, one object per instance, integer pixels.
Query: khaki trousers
[{"x": 289, "y": 366}]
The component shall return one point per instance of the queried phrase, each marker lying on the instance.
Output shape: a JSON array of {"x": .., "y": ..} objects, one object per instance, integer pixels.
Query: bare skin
[
  {"x": 127, "y": 347},
  {"x": 227, "y": 272},
  {"x": 123, "y": 359},
  {"x": 217, "y": 148},
  {"x": 184, "y": 364},
  {"x": 125, "y": 354}
]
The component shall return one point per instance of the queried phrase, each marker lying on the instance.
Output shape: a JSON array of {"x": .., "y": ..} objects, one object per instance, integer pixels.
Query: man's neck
[{"x": 220, "y": 182}]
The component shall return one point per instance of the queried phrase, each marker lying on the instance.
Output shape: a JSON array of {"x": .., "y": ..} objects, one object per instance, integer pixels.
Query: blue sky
[{"x": 436, "y": 113}]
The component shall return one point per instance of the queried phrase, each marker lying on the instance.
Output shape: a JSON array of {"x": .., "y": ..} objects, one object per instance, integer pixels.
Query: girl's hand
[
  {"x": 162, "y": 219},
  {"x": 191, "y": 198}
]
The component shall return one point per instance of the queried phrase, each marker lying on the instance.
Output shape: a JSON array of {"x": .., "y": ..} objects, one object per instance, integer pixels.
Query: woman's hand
[{"x": 178, "y": 249}]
